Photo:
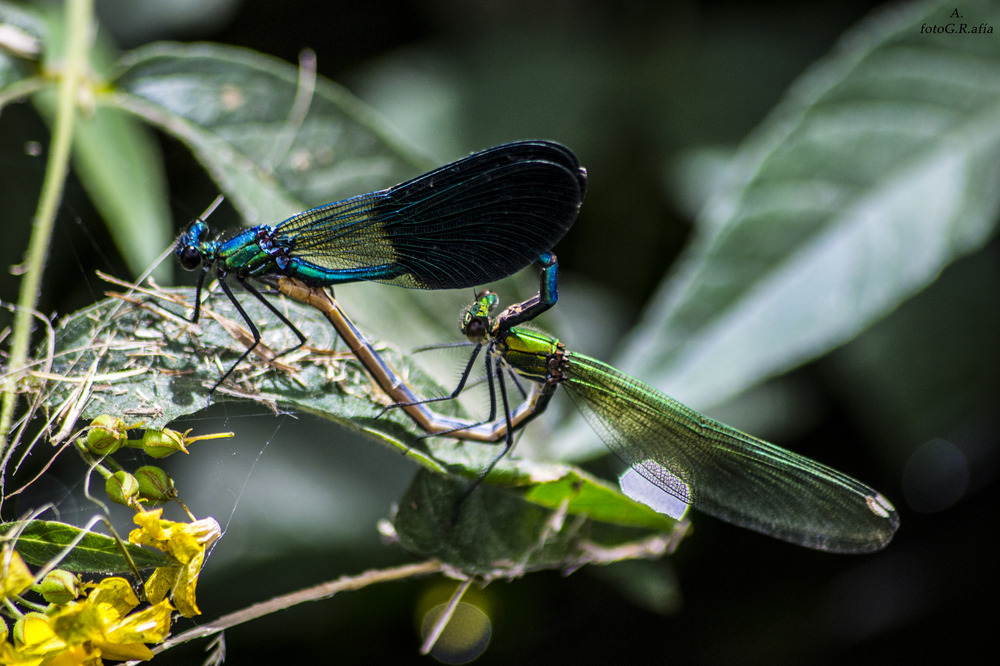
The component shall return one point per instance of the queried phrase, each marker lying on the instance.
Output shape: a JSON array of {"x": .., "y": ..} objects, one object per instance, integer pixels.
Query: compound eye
[
  {"x": 190, "y": 257},
  {"x": 475, "y": 330}
]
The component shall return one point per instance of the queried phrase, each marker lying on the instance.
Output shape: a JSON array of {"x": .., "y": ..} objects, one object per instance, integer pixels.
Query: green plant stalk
[{"x": 79, "y": 16}]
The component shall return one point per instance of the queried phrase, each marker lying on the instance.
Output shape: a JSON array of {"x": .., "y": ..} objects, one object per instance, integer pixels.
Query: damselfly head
[{"x": 476, "y": 323}]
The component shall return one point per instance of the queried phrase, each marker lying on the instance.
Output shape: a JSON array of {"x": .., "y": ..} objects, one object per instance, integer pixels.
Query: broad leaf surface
[
  {"x": 42, "y": 540},
  {"x": 880, "y": 167}
]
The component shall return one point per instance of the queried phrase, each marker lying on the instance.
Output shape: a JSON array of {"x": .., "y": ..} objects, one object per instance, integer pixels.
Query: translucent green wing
[{"x": 727, "y": 473}]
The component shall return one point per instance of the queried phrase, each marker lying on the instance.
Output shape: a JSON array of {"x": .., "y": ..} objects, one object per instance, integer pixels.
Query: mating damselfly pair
[{"x": 488, "y": 216}]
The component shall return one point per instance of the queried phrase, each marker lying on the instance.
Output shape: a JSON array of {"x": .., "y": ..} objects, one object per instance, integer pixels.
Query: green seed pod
[
  {"x": 162, "y": 443},
  {"x": 59, "y": 587},
  {"x": 122, "y": 488},
  {"x": 106, "y": 435},
  {"x": 155, "y": 484}
]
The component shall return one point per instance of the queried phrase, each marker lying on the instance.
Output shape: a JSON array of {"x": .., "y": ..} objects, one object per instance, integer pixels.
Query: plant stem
[
  {"x": 79, "y": 16},
  {"x": 322, "y": 591}
]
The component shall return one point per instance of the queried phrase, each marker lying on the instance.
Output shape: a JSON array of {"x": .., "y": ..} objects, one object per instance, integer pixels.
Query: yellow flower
[
  {"x": 85, "y": 632},
  {"x": 186, "y": 543}
]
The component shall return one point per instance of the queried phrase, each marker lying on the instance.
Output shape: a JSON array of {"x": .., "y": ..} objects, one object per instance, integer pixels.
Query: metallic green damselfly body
[
  {"x": 708, "y": 465},
  {"x": 465, "y": 224}
]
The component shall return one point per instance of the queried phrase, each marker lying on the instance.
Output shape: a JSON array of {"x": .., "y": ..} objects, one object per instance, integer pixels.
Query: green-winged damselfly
[{"x": 680, "y": 453}]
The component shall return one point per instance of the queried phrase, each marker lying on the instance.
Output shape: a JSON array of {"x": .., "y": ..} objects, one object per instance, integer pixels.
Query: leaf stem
[{"x": 79, "y": 16}]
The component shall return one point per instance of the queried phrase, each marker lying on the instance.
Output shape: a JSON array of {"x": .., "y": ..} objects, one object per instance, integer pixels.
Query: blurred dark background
[{"x": 633, "y": 88}]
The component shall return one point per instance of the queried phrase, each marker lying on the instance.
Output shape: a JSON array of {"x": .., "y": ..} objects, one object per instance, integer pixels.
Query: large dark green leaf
[
  {"x": 118, "y": 162},
  {"x": 114, "y": 155},
  {"x": 880, "y": 167},
  {"x": 151, "y": 364}
]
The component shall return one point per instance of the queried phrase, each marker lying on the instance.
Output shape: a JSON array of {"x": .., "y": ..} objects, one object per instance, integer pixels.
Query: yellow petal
[
  {"x": 126, "y": 641},
  {"x": 186, "y": 543},
  {"x": 151, "y": 625},
  {"x": 116, "y": 594},
  {"x": 16, "y": 576},
  {"x": 184, "y": 588},
  {"x": 150, "y": 531},
  {"x": 11, "y": 656},
  {"x": 182, "y": 541},
  {"x": 123, "y": 651},
  {"x": 160, "y": 583},
  {"x": 75, "y": 655},
  {"x": 34, "y": 630},
  {"x": 205, "y": 531}
]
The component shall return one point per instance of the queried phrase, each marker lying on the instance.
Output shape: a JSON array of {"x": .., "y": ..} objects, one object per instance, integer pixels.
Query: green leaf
[
  {"x": 564, "y": 486},
  {"x": 879, "y": 168},
  {"x": 494, "y": 533},
  {"x": 235, "y": 109},
  {"x": 42, "y": 540}
]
